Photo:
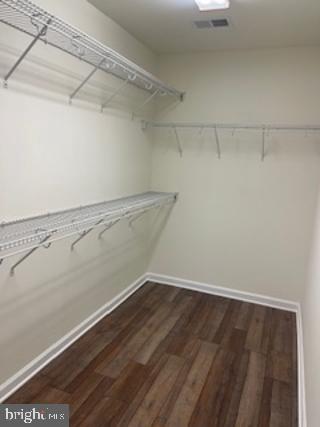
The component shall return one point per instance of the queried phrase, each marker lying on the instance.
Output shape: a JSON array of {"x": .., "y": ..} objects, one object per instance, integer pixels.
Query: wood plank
[
  {"x": 280, "y": 405},
  {"x": 89, "y": 405},
  {"x": 116, "y": 365},
  {"x": 214, "y": 320},
  {"x": 234, "y": 402},
  {"x": 208, "y": 409},
  {"x": 158, "y": 393},
  {"x": 105, "y": 413},
  {"x": 265, "y": 411},
  {"x": 31, "y": 389},
  {"x": 129, "y": 382},
  {"x": 228, "y": 322},
  {"x": 279, "y": 367},
  {"x": 244, "y": 317},
  {"x": 81, "y": 394},
  {"x": 255, "y": 332},
  {"x": 138, "y": 398},
  {"x": 190, "y": 392},
  {"x": 249, "y": 408},
  {"x": 148, "y": 348},
  {"x": 51, "y": 394}
]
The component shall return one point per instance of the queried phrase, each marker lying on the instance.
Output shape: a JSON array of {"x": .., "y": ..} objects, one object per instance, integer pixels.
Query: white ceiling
[{"x": 167, "y": 25}]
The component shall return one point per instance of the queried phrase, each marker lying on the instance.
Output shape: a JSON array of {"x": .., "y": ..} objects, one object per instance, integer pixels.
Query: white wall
[
  {"x": 240, "y": 223},
  {"x": 54, "y": 156},
  {"x": 311, "y": 329}
]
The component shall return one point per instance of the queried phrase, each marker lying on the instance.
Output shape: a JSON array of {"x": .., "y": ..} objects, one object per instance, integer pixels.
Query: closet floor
[{"x": 174, "y": 357}]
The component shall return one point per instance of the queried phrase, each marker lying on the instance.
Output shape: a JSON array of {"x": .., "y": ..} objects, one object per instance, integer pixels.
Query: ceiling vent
[
  {"x": 213, "y": 23},
  {"x": 220, "y": 23}
]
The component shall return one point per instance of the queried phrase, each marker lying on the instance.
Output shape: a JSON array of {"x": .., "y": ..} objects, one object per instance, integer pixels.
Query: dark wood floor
[{"x": 173, "y": 357}]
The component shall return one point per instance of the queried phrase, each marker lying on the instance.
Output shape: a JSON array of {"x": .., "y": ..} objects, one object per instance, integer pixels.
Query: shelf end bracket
[
  {"x": 108, "y": 228},
  {"x": 75, "y": 92},
  {"x": 263, "y": 147},
  {"x": 178, "y": 141},
  {"x": 40, "y": 34},
  {"x": 217, "y": 142},
  {"x": 85, "y": 233},
  {"x": 27, "y": 255},
  {"x": 115, "y": 93}
]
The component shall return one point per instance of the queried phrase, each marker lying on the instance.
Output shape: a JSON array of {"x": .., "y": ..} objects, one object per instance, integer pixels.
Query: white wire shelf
[
  {"x": 265, "y": 129},
  {"x": 29, "y": 234},
  {"x": 27, "y": 17},
  {"x": 230, "y": 126}
]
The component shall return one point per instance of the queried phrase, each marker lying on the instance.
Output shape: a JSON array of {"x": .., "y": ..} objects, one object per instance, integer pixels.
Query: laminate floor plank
[
  {"x": 158, "y": 394},
  {"x": 249, "y": 409},
  {"x": 172, "y": 357},
  {"x": 191, "y": 389}
]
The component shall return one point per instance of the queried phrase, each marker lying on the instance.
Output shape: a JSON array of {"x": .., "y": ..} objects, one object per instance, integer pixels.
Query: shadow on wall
[
  {"x": 157, "y": 224},
  {"x": 86, "y": 281}
]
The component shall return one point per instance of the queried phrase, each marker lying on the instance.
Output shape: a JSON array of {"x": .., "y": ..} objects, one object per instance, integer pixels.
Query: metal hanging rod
[
  {"x": 232, "y": 127},
  {"x": 27, "y": 17},
  {"x": 27, "y": 235}
]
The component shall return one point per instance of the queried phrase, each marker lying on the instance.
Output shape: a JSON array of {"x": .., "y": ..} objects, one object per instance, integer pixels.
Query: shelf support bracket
[
  {"x": 217, "y": 142},
  {"x": 263, "y": 147},
  {"x": 85, "y": 233},
  {"x": 74, "y": 93},
  {"x": 149, "y": 99},
  {"x": 40, "y": 34},
  {"x": 27, "y": 255},
  {"x": 135, "y": 218},
  {"x": 107, "y": 102},
  {"x": 108, "y": 228},
  {"x": 178, "y": 141}
]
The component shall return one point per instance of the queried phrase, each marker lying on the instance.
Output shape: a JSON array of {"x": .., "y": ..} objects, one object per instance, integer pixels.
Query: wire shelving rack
[
  {"x": 29, "y": 234},
  {"x": 27, "y": 17},
  {"x": 264, "y": 129}
]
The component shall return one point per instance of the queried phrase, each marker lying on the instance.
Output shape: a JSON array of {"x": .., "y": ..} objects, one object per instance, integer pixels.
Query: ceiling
[{"x": 167, "y": 25}]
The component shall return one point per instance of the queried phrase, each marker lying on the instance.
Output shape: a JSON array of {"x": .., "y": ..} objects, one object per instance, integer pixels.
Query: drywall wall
[
  {"x": 311, "y": 329},
  {"x": 54, "y": 156},
  {"x": 239, "y": 222}
]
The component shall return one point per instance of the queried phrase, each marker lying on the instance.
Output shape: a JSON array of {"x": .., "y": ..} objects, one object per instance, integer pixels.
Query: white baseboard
[
  {"x": 301, "y": 372},
  {"x": 224, "y": 292},
  {"x": 256, "y": 299},
  {"x": 26, "y": 373}
]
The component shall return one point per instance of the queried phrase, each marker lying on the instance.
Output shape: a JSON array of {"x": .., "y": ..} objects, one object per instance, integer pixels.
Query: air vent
[
  {"x": 213, "y": 23},
  {"x": 220, "y": 23}
]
